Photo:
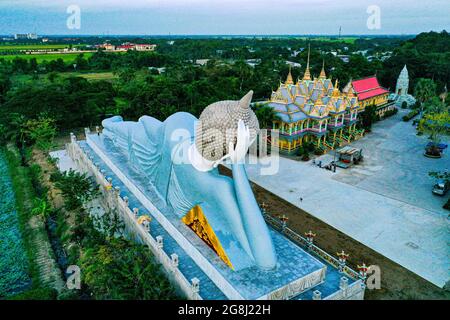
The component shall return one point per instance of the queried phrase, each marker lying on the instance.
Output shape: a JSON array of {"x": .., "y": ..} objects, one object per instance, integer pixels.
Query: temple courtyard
[{"x": 385, "y": 202}]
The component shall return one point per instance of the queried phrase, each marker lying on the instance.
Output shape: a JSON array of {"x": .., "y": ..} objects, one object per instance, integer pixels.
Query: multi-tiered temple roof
[{"x": 310, "y": 98}]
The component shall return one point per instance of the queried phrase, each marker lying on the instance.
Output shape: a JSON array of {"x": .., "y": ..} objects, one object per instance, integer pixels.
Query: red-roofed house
[{"x": 370, "y": 92}]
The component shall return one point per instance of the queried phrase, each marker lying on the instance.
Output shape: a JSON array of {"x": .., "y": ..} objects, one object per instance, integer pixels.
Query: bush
[
  {"x": 76, "y": 188},
  {"x": 410, "y": 115},
  {"x": 404, "y": 105},
  {"x": 37, "y": 294},
  {"x": 447, "y": 205},
  {"x": 390, "y": 113}
]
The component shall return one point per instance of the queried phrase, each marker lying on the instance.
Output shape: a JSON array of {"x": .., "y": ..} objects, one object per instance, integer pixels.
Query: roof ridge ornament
[{"x": 322, "y": 72}]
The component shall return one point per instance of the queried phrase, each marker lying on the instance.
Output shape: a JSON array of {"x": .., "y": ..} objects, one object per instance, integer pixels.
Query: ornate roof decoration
[
  {"x": 289, "y": 79},
  {"x": 322, "y": 72},
  {"x": 307, "y": 75}
]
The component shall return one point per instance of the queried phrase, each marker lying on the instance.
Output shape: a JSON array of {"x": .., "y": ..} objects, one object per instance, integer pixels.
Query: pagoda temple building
[
  {"x": 370, "y": 92},
  {"x": 314, "y": 110},
  {"x": 401, "y": 94}
]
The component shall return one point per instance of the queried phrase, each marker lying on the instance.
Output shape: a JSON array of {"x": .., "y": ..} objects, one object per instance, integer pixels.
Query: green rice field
[
  {"x": 16, "y": 47},
  {"x": 67, "y": 57}
]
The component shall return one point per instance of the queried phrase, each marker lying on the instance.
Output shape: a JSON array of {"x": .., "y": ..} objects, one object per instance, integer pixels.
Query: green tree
[
  {"x": 424, "y": 90},
  {"x": 368, "y": 117},
  {"x": 266, "y": 115},
  {"x": 76, "y": 188},
  {"x": 436, "y": 125},
  {"x": 41, "y": 131}
]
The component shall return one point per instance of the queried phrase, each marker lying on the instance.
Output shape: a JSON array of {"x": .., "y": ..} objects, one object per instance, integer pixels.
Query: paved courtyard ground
[{"x": 385, "y": 203}]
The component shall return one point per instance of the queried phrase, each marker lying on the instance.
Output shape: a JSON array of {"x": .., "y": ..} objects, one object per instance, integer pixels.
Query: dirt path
[
  {"x": 396, "y": 281},
  {"x": 48, "y": 270}
]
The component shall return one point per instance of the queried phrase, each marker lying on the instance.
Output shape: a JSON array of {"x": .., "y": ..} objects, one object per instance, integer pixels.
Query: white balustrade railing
[{"x": 113, "y": 200}]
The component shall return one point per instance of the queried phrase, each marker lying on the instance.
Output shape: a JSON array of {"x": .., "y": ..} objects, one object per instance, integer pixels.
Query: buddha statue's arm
[{"x": 253, "y": 221}]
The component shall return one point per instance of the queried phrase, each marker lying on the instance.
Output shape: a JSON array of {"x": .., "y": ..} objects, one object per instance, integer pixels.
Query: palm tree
[
  {"x": 424, "y": 90},
  {"x": 266, "y": 115}
]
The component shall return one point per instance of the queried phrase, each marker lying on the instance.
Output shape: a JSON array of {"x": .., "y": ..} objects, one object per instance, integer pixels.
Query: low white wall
[{"x": 112, "y": 200}]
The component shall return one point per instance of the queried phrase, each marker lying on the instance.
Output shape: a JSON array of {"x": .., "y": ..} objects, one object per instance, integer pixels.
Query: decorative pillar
[
  {"x": 146, "y": 224},
  {"x": 73, "y": 138},
  {"x": 159, "y": 242},
  {"x": 136, "y": 212},
  {"x": 126, "y": 200},
  {"x": 195, "y": 286},
  {"x": 342, "y": 260},
  {"x": 343, "y": 285},
  {"x": 174, "y": 260},
  {"x": 317, "y": 295},
  {"x": 87, "y": 131},
  {"x": 97, "y": 130},
  {"x": 117, "y": 191}
]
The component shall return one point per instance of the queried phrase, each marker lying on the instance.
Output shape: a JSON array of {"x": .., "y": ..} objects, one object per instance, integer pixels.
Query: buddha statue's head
[{"x": 218, "y": 127}]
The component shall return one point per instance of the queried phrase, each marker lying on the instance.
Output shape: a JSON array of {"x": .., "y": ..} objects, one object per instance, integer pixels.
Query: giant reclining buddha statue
[{"x": 179, "y": 158}]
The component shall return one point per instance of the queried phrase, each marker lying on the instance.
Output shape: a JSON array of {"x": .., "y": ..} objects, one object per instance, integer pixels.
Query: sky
[{"x": 225, "y": 17}]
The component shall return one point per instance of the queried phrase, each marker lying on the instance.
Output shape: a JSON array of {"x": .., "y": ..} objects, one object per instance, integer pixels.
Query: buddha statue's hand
[{"x": 237, "y": 152}]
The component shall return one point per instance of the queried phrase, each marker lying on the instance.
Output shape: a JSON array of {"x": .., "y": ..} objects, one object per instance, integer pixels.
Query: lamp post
[
  {"x": 284, "y": 220},
  {"x": 342, "y": 260},
  {"x": 363, "y": 273},
  {"x": 310, "y": 238}
]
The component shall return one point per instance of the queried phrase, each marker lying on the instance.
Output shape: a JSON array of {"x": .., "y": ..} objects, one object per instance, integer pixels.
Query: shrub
[
  {"x": 37, "y": 294},
  {"x": 447, "y": 205},
  {"x": 410, "y": 115},
  {"x": 404, "y": 105}
]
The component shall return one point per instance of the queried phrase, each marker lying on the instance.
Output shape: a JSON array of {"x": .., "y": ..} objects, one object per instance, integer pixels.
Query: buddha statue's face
[{"x": 218, "y": 126}]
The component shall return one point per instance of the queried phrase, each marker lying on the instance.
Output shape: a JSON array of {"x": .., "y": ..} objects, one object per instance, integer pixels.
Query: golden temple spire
[
  {"x": 307, "y": 75},
  {"x": 336, "y": 92},
  {"x": 322, "y": 72},
  {"x": 289, "y": 79}
]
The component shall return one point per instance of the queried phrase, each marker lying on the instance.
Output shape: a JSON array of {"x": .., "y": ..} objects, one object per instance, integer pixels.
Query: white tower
[{"x": 402, "y": 82}]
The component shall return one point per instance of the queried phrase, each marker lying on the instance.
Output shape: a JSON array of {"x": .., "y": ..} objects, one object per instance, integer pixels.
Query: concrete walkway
[{"x": 385, "y": 203}]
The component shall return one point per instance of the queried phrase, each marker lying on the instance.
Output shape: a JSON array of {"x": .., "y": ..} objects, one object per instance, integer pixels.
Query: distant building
[
  {"x": 106, "y": 46},
  {"x": 201, "y": 62},
  {"x": 370, "y": 92},
  {"x": 24, "y": 36},
  {"x": 294, "y": 64},
  {"x": 345, "y": 58},
  {"x": 20, "y": 36},
  {"x": 145, "y": 47},
  {"x": 253, "y": 62},
  {"x": 401, "y": 90},
  {"x": 138, "y": 47}
]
